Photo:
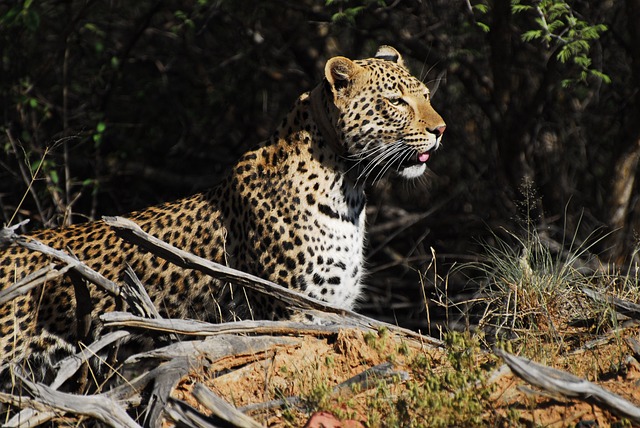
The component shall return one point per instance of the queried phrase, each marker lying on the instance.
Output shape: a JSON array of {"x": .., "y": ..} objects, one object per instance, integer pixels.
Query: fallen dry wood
[
  {"x": 97, "y": 406},
  {"x": 71, "y": 364},
  {"x": 130, "y": 231},
  {"x": 621, "y": 306},
  {"x": 560, "y": 382},
  {"x": 34, "y": 279},
  {"x": 136, "y": 296},
  {"x": 202, "y": 328},
  {"x": 174, "y": 361},
  {"x": 9, "y": 235},
  {"x": 214, "y": 348},
  {"x": 222, "y": 409},
  {"x": 33, "y": 414},
  {"x": 186, "y": 416},
  {"x": 159, "y": 370}
]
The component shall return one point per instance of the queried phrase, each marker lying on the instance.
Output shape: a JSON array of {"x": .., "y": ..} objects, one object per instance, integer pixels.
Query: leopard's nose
[{"x": 438, "y": 130}]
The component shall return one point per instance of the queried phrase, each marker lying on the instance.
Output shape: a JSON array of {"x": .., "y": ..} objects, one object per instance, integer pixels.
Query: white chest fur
[{"x": 336, "y": 246}]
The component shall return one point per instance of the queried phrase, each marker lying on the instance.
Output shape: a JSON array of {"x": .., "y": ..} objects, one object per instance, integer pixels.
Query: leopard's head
[{"x": 383, "y": 115}]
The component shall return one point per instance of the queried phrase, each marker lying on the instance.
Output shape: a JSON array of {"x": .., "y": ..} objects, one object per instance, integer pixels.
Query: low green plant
[
  {"x": 438, "y": 395},
  {"x": 532, "y": 286}
]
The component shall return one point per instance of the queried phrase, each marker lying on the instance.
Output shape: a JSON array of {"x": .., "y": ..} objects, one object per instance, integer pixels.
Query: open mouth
[{"x": 417, "y": 159}]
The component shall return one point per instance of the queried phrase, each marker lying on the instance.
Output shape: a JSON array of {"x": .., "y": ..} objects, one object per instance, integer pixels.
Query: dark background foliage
[{"x": 118, "y": 105}]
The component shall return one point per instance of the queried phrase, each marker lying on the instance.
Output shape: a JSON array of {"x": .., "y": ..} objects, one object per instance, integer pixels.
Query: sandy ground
[{"x": 314, "y": 365}]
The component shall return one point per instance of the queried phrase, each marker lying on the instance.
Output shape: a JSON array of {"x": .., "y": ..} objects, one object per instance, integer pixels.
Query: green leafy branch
[
  {"x": 347, "y": 14},
  {"x": 559, "y": 27}
]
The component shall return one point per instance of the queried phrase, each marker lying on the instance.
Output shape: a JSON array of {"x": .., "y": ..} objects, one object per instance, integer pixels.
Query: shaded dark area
[{"x": 119, "y": 105}]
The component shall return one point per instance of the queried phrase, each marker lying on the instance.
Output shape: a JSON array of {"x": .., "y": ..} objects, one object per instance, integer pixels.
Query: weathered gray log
[
  {"x": 186, "y": 416},
  {"x": 9, "y": 235},
  {"x": 163, "y": 384},
  {"x": 136, "y": 296},
  {"x": 34, "y": 279},
  {"x": 33, "y": 414},
  {"x": 214, "y": 348},
  {"x": 97, "y": 406},
  {"x": 624, "y": 307},
  {"x": 176, "y": 360},
  {"x": 560, "y": 382},
  {"x": 131, "y": 232},
  {"x": 68, "y": 366},
  {"x": 189, "y": 327},
  {"x": 30, "y": 415},
  {"x": 221, "y": 408}
]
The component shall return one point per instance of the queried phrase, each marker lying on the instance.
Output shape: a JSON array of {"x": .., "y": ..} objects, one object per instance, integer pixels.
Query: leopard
[{"x": 290, "y": 210}]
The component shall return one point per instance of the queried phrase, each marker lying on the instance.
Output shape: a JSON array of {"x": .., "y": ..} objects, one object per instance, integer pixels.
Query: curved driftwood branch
[
  {"x": 97, "y": 406},
  {"x": 624, "y": 307},
  {"x": 9, "y": 235},
  {"x": 561, "y": 382},
  {"x": 131, "y": 232}
]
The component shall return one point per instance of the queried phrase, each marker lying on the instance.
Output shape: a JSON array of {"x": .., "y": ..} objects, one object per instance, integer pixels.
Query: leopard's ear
[
  {"x": 390, "y": 53},
  {"x": 339, "y": 71}
]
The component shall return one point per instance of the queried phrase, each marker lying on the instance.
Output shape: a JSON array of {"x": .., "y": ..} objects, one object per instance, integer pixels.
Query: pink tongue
[{"x": 423, "y": 157}]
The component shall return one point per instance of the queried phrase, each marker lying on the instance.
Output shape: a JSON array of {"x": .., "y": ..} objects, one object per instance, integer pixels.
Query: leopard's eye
[{"x": 396, "y": 101}]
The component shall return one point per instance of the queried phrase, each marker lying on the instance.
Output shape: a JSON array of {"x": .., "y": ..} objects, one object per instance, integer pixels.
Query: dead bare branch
[
  {"x": 9, "y": 235},
  {"x": 221, "y": 408},
  {"x": 97, "y": 406},
  {"x": 624, "y": 307},
  {"x": 34, "y": 279},
  {"x": 560, "y": 382},
  {"x": 201, "y": 328},
  {"x": 130, "y": 231}
]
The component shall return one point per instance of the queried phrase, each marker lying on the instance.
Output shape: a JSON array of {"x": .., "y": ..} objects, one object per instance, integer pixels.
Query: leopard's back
[{"x": 43, "y": 322}]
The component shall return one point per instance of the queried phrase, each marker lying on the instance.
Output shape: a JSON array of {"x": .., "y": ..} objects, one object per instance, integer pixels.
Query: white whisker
[
  {"x": 376, "y": 159},
  {"x": 385, "y": 159}
]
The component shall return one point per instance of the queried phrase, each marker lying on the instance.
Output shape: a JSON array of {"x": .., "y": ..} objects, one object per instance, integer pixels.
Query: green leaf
[
  {"x": 484, "y": 27},
  {"x": 101, "y": 127},
  {"x": 600, "y": 75},
  {"x": 482, "y": 8},
  {"x": 31, "y": 20},
  {"x": 53, "y": 175},
  {"x": 531, "y": 35},
  {"x": 564, "y": 54},
  {"x": 582, "y": 61},
  {"x": 519, "y": 8}
]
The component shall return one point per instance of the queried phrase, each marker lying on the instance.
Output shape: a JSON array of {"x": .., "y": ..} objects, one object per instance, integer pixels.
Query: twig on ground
[
  {"x": 221, "y": 408},
  {"x": 97, "y": 406},
  {"x": 366, "y": 380},
  {"x": 9, "y": 235},
  {"x": 568, "y": 385},
  {"x": 624, "y": 307},
  {"x": 201, "y": 328}
]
